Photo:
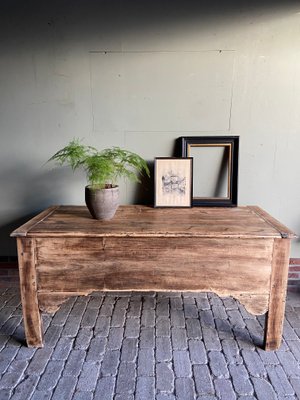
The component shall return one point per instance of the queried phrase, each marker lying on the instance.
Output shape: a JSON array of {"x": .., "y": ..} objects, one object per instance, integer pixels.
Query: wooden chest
[{"x": 241, "y": 252}]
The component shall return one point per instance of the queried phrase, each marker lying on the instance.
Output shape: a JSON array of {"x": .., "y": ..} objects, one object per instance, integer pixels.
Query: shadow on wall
[
  {"x": 8, "y": 245},
  {"x": 39, "y": 189},
  {"x": 68, "y": 20},
  {"x": 144, "y": 193}
]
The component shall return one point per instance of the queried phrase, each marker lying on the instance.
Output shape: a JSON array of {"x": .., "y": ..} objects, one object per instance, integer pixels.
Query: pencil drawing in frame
[
  {"x": 173, "y": 182},
  {"x": 215, "y": 169}
]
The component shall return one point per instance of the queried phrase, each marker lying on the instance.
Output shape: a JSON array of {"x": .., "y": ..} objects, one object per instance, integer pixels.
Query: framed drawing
[
  {"x": 173, "y": 182},
  {"x": 215, "y": 160}
]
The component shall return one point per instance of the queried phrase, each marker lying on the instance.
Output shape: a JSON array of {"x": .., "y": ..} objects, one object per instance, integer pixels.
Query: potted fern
[{"x": 103, "y": 169}]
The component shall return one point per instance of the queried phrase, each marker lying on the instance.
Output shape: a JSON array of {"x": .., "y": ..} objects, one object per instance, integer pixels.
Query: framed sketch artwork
[{"x": 173, "y": 179}]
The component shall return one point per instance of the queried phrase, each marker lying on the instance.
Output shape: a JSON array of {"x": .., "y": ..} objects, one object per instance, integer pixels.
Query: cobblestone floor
[{"x": 156, "y": 346}]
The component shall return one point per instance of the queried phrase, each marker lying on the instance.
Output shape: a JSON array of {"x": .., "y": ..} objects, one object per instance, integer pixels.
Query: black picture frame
[
  {"x": 173, "y": 182},
  {"x": 231, "y": 144}
]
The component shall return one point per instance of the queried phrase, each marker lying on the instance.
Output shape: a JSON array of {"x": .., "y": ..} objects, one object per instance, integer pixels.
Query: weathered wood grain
[
  {"x": 285, "y": 232},
  {"x": 28, "y": 287},
  {"x": 226, "y": 266},
  {"x": 142, "y": 221},
  {"x": 51, "y": 301},
  {"x": 25, "y": 228},
  {"x": 256, "y": 304},
  {"x": 275, "y": 314}
]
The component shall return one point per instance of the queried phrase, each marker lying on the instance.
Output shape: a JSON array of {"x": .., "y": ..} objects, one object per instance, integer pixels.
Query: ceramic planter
[{"x": 102, "y": 203}]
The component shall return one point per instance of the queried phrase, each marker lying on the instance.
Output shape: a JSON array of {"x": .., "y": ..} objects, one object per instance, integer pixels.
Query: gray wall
[{"x": 139, "y": 74}]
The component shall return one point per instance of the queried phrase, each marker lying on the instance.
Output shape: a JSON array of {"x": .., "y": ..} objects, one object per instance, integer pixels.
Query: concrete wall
[{"x": 139, "y": 74}]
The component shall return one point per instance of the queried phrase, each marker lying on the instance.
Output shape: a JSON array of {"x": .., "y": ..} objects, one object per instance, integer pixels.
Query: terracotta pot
[{"x": 102, "y": 203}]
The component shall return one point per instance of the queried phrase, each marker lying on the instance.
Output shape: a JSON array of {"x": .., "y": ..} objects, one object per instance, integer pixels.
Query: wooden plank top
[{"x": 144, "y": 221}]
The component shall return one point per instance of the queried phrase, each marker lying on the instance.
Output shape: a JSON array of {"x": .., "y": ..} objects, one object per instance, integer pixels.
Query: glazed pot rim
[{"x": 90, "y": 187}]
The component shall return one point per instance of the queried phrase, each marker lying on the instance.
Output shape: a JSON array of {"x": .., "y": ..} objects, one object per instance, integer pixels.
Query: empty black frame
[{"x": 228, "y": 142}]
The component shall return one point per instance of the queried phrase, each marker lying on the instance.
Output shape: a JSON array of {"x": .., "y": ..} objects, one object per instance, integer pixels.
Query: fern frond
[
  {"x": 74, "y": 154},
  {"x": 102, "y": 167}
]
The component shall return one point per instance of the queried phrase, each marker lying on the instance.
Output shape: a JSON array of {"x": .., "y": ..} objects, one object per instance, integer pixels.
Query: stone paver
[
  {"x": 279, "y": 381},
  {"x": 110, "y": 362},
  {"x": 182, "y": 363},
  {"x": 198, "y": 354},
  {"x": 184, "y": 389},
  {"x": 179, "y": 339},
  {"x": 148, "y": 346},
  {"x": 241, "y": 380},
  {"x": 163, "y": 349},
  {"x": 217, "y": 364},
  {"x": 224, "y": 389},
  {"x": 263, "y": 389},
  {"x": 145, "y": 389},
  {"x": 146, "y": 362},
  {"x": 51, "y": 375},
  {"x": 126, "y": 378},
  {"x": 88, "y": 377},
  {"x": 203, "y": 380},
  {"x": 164, "y": 377},
  {"x": 65, "y": 388},
  {"x": 129, "y": 349},
  {"x": 163, "y": 326}
]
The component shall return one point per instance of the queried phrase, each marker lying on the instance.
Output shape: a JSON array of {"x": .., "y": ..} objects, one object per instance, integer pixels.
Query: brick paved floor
[{"x": 148, "y": 346}]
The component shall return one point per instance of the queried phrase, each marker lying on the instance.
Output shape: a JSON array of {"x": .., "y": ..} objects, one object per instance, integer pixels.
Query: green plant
[{"x": 103, "y": 168}]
